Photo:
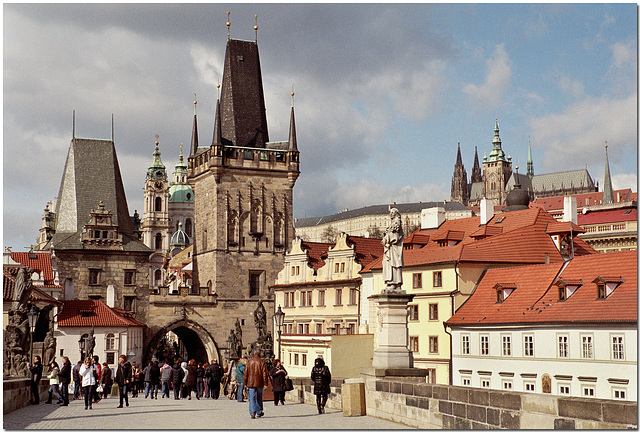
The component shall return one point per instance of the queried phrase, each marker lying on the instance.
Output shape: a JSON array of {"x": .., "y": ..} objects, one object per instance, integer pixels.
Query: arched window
[
  {"x": 158, "y": 206},
  {"x": 187, "y": 227},
  {"x": 157, "y": 277},
  {"x": 158, "y": 241},
  {"x": 110, "y": 342}
]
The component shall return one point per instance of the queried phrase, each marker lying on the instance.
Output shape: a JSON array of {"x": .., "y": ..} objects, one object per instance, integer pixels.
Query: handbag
[
  {"x": 288, "y": 384},
  {"x": 100, "y": 389}
]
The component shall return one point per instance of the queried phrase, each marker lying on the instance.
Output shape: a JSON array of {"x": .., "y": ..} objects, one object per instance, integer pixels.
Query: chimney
[
  {"x": 486, "y": 211},
  {"x": 111, "y": 296},
  {"x": 570, "y": 210},
  {"x": 432, "y": 217}
]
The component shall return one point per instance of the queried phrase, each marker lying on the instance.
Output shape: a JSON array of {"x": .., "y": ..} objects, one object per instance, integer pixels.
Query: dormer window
[
  {"x": 606, "y": 285},
  {"x": 566, "y": 288},
  {"x": 503, "y": 291}
]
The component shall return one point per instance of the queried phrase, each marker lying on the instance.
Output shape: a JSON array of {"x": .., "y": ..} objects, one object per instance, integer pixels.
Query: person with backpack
[{"x": 321, "y": 377}]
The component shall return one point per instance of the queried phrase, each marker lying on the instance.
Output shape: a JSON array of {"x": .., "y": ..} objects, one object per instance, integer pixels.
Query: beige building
[{"x": 319, "y": 292}]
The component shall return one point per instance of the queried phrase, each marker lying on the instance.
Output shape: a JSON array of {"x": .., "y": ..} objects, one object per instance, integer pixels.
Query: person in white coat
[{"x": 87, "y": 373}]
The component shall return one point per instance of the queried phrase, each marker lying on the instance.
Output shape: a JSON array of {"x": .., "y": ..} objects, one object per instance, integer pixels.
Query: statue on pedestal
[
  {"x": 392, "y": 261},
  {"x": 16, "y": 337}
]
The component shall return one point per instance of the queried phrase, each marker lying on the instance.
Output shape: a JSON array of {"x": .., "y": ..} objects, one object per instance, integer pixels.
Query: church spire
[
  {"x": 156, "y": 170},
  {"x": 293, "y": 140},
  {"x": 194, "y": 133},
  {"x": 530, "y": 162},
  {"x": 496, "y": 152},
  {"x": 607, "y": 191},
  {"x": 459, "y": 185},
  {"x": 217, "y": 125},
  {"x": 459, "y": 157},
  {"x": 476, "y": 173}
]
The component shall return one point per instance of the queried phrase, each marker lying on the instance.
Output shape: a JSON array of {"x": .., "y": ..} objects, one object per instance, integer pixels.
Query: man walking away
[
  {"x": 321, "y": 377},
  {"x": 65, "y": 379},
  {"x": 123, "y": 379},
  {"x": 77, "y": 381},
  {"x": 36, "y": 375},
  {"x": 216, "y": 376},
  {"x": 106, "y": 379},
  {"x": 240, "y": 378},
  {"x": 177, "y": 375},
  {"x": 165, "y": 377},
  {"x": 256, "y": 378}
]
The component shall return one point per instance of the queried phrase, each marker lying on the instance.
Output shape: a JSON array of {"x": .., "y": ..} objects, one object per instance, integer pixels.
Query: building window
[
  {"x": 338, "y": 297},
  {"x": 300, "y": 328},
  {"x": 353, "y": 296},
  {"x": 288, "y": 299},
  {"x": 506, "y": 345},
  {"x": 562, "y": 293},
  {"x": 94, "y": 276},
  {"x": 318, "y": 328},
  {"x": 485, "y": 383},
  {"x": 111, "y": 357},
  {"x": 255, "y": 280},
  {"x": 484, "y": 345},
  {"x": 499, "y": 295},
  {"x": 296, "y": 359},
  {"x": 588, "y": 391},
  {"x": 437, "y": 279},
  {"x": 129, "y": 303},
  {"x": 433, "y": 344},
  {"x": 617, "y": 346},
  {"x": 563, "y": 346},
  {"x": 433, "y": 311},
  {"x": 413, "y": 312},
  {"x": 417, "y": 280},
  {"x": 158, "y": 206},
  {"x": 465, "y": 345},
  {"x": 158, "y": 244},
  {"x": 466, "y": 381},
  {"x": 110, "y": 342},
  {"x": 129, "y": 277},
  {"x": 528, "y": 345},
  {"x": 341, "y": 267},
  {"x": 431, "y": 376},
  {"x": 336, "y": 329},
  {"x": 413, "y": 344},
  {"x": 564, "y": 390},
  {"x": 507, "y": 385},
  {"x": 187, "y": 227},
  {"x": 602, "y": 292},
  {"x": 304, "y": 359},
  {"x": 321, "y": 298},
  {"x": 587, "y": 346},
  {"x": 158, "y": 277},
  {"x": 529, "y": 386},
  {"x": 305, "y": 298},
  {"x": 619, "y": 393}
]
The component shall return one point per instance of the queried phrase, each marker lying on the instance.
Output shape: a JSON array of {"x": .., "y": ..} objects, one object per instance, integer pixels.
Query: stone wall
[
  {"x": 303, "y": 392},
  {"x": 16, "y": 393}
]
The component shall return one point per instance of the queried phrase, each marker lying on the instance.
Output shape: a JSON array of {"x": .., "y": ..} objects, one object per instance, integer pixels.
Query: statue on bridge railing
[
  {"x": 16, "y": 337},
  {"x": 265, "y": 340}
]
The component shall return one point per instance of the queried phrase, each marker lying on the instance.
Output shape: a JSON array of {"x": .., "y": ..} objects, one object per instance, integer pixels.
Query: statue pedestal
[{"x": 392, "y": 334}]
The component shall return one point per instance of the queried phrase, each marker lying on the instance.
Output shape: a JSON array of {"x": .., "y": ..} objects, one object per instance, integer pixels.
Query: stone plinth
[
  {"x": 353, "y": 399},
  {"x": 392, "y": 351}
]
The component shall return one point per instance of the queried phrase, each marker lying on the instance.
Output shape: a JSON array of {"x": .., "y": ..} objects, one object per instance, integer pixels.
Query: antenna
[
  {"x": 292, "y": 94},
  {"x": 74, "y": 125},
  {"x": 255, "y": 27},
  {"x": 218, "y": 89},
  {"x": 195, "y": 104},
  {"x": 112, "y": 128},
  {"x": 228, "y": 24}
]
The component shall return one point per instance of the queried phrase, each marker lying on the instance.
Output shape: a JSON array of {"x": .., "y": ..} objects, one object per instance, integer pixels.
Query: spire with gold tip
[
  {"x": 228, "y": 25},
  {"x": 293, "y": 140},
  {"x": 255, "y": 27}
]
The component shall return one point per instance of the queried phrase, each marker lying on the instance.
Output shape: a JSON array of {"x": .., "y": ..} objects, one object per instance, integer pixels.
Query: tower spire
[
  {"x": 607, "y": 191},
  {"x": 255, "y": 27},
  {"x": 476, "y": 172},
  {"x": 459, "y": 157},
  {"x": 194, "y": 132},
  {"x": 217, "y": 126},
  {"x": 529, "y": 162},
  {"x": 228, "y": 25},
  {"x": 293, "y": 140}
]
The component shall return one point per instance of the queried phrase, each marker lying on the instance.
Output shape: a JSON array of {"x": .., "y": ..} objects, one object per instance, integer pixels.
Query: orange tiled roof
[
  {"x": 608, "y": 216},
  {"x": 94, "y": 313},
  {"x": 564, "y": 227},
  {"x": 536, "y": 298},
  {"x": 39, "y": 261},
  {"x": 316, "y": 251},
  {"x": 367, "y": 249},
  {"x": 9, "y": 274},
  {"x": 556, "y": 203}
]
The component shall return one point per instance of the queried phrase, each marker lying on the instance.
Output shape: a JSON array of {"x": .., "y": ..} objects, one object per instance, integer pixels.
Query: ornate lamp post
[
  {"x": 229, "y": 343},
  {"x": 33, "y": 319},
  {"x": 278, "y": 320}
]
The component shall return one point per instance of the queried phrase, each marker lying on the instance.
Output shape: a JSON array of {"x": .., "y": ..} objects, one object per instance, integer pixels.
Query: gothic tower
[
  {"x": 459, "y": 185},
  {"x": 607, "y": 190},
  {"x": 530, "y": 173},
  {"x": 496, "y": 171},
  {"x": 243, "y": 189},
  {"x": 476, "y": 173}
]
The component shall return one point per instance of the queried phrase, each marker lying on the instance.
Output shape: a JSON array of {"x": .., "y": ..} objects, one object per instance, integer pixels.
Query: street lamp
[
  {"x": 278, "y": 320},
  {"x": 33, "y": 319},
  {"x": 229, "y": 343}
]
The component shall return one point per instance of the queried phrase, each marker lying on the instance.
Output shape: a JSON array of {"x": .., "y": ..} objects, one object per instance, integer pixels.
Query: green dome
[{"x": 179, "y": 193}]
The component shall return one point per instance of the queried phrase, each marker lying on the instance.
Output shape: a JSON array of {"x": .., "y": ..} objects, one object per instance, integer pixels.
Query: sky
[{"x": 383, "y": 92}]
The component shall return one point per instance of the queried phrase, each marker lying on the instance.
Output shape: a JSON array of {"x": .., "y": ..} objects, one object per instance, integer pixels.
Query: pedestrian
[
  {"x": 256, "y": 378},
  {"x": 240, "y": 378},
  {"x": 155, "y": 379},
  {"x": 123, "y": 379},
  {"x": 139, "y": 384},
  {"x": 36, "y": 375},
  {"x": 106, "y": 379},
  {"x": 77, "y": 381},
  {"x": 177, "y": 375},
  {"x": 278, "y": 374},
  {"x": 88, "y": 373},
  {"x": 147, "y": 380},
  {"x": 96, "y": 363},
  {"x": 65, "y": 379},
  {"x": 225, "y": 379},
  {"x": 215, "y": 372},
  {"x": 233, "y": 383},
  {"x": 200, "y": 380},
  {"x": 165, "y": 377},
  {"x": 183, "y": 365},
  {"x": 321, "y": 377},
  {"x": 54, "y": 387},
  {"x": 191, "y": 380}
]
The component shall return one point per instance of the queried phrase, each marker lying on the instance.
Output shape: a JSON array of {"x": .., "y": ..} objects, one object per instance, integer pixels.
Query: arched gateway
[{"x": 199, "y": 343}]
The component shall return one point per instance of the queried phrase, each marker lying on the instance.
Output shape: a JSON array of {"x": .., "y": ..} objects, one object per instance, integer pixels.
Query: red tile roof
[
  {"x": 536, "y": 298},
  {"x": 316, "y": 251},
  {"x": 608, "y": 216},
  {"x": 367, "y": 249},
  {"x": 556, "y": 203},
  {"x": 9, "y": 274},
  {"x": 40, "y": 262},
  {"x": 564, "y": 228},
  {"x": 94, "y": 313}
]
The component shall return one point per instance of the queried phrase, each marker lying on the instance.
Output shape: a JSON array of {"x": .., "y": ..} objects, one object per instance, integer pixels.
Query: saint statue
[
  {"x": 260, "y": 318},
  {"x": 89, "y": 344},
  {"x": 22, "y": 290},
  {"x": 392, "y": 261}
]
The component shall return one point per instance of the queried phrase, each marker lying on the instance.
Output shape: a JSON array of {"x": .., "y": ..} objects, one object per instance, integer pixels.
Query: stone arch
[{"x": 205, "y": 344}]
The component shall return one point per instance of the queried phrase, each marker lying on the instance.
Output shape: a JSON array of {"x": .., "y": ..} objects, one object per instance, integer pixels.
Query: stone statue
[
  {"x": 50, "y": 344},
  {"x": 89, "y": 344},
  {"x": 393, "y": 262},
  {"x": 233, "y": 346},
  {"x": 260, "y": 318},
  {"x": 22, "y": 289},
  {"x": 239, "y": 331},
  {"x": 16, "y": 342}
]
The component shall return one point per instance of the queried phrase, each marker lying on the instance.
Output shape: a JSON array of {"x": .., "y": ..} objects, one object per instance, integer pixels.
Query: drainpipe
[{"x": 453, "y": 311}]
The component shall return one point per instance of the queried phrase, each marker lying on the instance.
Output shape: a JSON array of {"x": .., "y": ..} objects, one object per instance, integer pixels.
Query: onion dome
[
  {"x": 180, "y": 238},
  {"x": 156, "y": 170},
  {"x": 517, "y": 199}
]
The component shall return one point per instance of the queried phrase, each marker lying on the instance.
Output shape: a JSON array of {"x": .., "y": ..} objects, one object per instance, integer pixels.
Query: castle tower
[
  {"x": 243, "y": 189},
  {"x": 181, "y": 199},
  {"x": 496, "y": 171},
  {"x": 476, "y": 173},
  {"x": 459, "y": 185}
]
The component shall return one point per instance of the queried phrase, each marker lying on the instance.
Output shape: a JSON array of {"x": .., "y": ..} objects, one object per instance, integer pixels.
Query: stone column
[{"x": 392, "y": 351}]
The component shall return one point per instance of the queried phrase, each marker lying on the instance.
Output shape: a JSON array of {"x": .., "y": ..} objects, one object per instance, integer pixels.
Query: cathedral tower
[
  {"x": 459, "y": 185},
  {"x": 496, "y": 171}
]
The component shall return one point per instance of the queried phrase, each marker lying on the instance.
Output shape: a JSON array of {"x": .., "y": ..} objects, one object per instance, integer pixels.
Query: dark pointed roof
[
  {"x": 194, "y": 135},
  {"x": 459, "y": 157},
  {"x": 293, "y": 140},
  {"x": 244, "y": 119},
  {"x": 607, "y": 191},
  {"x": 217, "y": 125},
  {"x": 476, "y": 173}
]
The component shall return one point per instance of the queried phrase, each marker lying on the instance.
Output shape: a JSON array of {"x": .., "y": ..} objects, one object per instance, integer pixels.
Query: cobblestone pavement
[{"x": 184, "y": 414}]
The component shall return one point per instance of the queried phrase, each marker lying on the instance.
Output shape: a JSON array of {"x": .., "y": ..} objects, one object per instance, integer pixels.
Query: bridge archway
[{"x": 198, "y": 342}]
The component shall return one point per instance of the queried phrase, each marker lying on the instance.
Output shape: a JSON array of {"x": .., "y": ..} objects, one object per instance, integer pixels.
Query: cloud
[
  {"x": 574, "y": 88},
  {"x": 623, "y": 69},
  {"x": 496, "y": 83},
  {"x": 623, "y": 181}
]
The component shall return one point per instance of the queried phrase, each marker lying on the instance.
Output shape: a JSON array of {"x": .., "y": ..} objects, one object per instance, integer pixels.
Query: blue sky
[{"x": 383, "y": 92}]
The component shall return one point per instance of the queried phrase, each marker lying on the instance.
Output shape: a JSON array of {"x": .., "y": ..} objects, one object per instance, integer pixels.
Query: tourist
[
  {"x": 139, "y": 381},
  {"x": 65, "y": 379},
  {"x": 177, "y": 374},
  {"x": 155, "y": 379},
  {"x": 77, "y": 381},
  {"x": 183, "y": 365},
  {"x": 88, "y": 373},
  {"x": 54, "y": 388},
  {"x": 106, "y": 379},
  {"x": 200, "y": 380},
  {"x": 256, "y": 378},
  {"x": 215, "y": 375},
  {"x": 123, "y": 379},
  {"x": 165, "y": 377},
  {"x": 191, "y": 379},
  {"x": 96, "y": 363},
  {"x": 240, "y": 379},
  {"x": 147, "y": 380},
  {"x": 278, "y": 373},
  {"x": 207, "y": 376},
  {"x": 233, "y": 383},
  {"x": 321, "y": 377},
  {"x": 36, "y": 375}
]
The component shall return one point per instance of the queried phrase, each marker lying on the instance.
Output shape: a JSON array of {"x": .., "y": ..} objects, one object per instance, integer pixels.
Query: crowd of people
[{"x": 240, "y": 380}]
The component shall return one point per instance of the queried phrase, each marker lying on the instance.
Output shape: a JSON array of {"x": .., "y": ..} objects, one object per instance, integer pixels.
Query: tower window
[
  {"x": 187, "y": 227},
  {"x": 158, "y": 241},
  {"x": 158, "y": 205}
]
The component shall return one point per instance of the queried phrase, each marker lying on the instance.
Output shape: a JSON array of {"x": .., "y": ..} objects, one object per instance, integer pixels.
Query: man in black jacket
[
  {"x": 215, "y": 376},
  {"x": 65, "y": 378},
  {"x": 36, "y": 374},
  {"x": 123, "y": 378},
  {"x": 177, "y": 375}
]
